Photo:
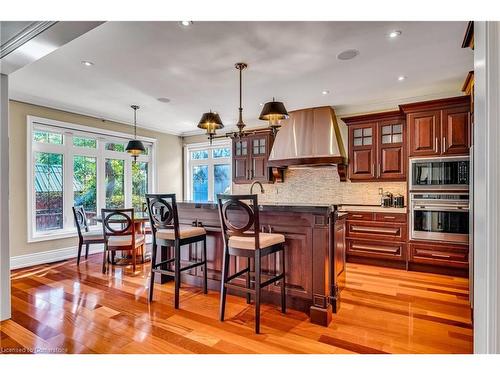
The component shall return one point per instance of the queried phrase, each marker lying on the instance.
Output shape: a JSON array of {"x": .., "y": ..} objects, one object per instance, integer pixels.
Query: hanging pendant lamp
[
  {"x": 134, "y": 146},
  {"x": 274, "y": 112},
  {"x": 211, "y": 122}
]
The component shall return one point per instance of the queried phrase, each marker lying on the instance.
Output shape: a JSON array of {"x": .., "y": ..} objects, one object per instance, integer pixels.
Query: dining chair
[
  {"x": 146, "y": 228},
  {"x": 85, "y": 235},
  {"x": 242, "y": 238},
  {"x": 120, "y": 238},
  {"x": 162, "y": 209}
]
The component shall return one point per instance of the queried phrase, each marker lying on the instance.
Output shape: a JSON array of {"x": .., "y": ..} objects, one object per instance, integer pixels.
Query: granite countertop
[
  {"x": 371, "y": 208},
  {"x": 269, "y": 206}
]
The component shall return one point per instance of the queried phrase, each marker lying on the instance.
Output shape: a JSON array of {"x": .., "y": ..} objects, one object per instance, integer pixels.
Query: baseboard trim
[{"x": 34, "y": 259}]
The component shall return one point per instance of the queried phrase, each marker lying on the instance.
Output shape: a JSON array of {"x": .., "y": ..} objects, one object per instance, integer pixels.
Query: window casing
[
  {"x": 70, "y": 164},
  {"x": 207, "y": 170}
]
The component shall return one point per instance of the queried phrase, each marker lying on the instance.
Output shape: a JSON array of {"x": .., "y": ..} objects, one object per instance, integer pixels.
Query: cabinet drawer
[
  {"x": 360, "y": 216},
  {"x": 400, "y": 218},
  {"x": 452, "y": 255},
  {"x": 376, "y": 230},
  {"x": 372, "y": 249}
]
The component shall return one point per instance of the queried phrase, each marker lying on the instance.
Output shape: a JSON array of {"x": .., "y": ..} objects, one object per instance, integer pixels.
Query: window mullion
[
  {"x": 68, "y": 181},
  {"x": 127, "y": 181}
]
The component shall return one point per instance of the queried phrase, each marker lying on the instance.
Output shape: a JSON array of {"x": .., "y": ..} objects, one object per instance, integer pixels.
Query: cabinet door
[
  {"x": 423, "y": 133},
  {"x": 259, "y": 153},
  {"x": 455, "y": 131},
  {"x": 298, "y": 260},
  {"x": 362, "y": 152},
  {"x": 241, "y": 156},
  {"x": 391, "y": 154},
  {"x": 340, "y": 254}
]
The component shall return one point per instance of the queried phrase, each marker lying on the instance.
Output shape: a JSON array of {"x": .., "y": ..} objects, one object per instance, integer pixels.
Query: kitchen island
[{"x": 314, "y": 253}]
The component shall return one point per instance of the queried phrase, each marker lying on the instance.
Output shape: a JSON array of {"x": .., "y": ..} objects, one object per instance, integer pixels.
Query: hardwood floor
[{"x": 60, "y": 307}]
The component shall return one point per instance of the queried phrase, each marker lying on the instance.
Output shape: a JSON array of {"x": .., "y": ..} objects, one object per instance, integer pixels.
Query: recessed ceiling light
[
  {"x": 186, "y": 23},
  {"x": 394, "y": 34},
  {"x": 164, "y": 100},
  {"x": 325, "y": 92},
  {"x": 401, "y": 78},
  {"x": 348, "y": 54},
  {"x": 87, "y": 63}
]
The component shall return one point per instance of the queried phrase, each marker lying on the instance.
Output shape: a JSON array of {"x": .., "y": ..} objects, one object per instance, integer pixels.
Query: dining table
[{"x": 125, "y": 258}]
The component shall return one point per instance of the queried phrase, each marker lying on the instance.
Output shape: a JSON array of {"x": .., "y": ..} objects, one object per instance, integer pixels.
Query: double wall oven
[{"x": 439, "y": 199}]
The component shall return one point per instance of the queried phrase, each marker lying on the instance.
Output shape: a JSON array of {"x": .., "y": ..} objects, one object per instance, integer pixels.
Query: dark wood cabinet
[
  {"x": 250, "y": 155},
  {"x": 377, "y": 147},
  {"x": 377, "y": 238},
  {"x": 438, "y": 127},
  {"x": 439, "y": 254}
]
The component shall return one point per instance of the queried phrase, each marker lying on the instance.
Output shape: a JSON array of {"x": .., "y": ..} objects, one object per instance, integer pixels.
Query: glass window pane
[
  {"x": 397, "y": 138},
  {"x": 222, "y": 152},
  {"x": 48, "y": 191},
  {"x": 397, "y": 128},
  {"x": 256, "y": 150},
  {"x": 47, "y": 137},
  {"x": 367, "y": 141},
  {"x": 139, "y": 184},
  {"x": 85, "y": 185},
  {"x": 197, "y": 155},
  {"x": 386, "y": 139},
  {"x": 84, "y": 142},
  {"x": 112, "y": 146},
  {"x": 367, "y": 132},
  {"x": 200, "y": 183},
  {"x": 358, "y": 141},
  {"x": 358, "y": 133},
  {"x": 222, "y": 179},
  {"x": 386, "y": 129},
  {"x": 114, "y": 184}
]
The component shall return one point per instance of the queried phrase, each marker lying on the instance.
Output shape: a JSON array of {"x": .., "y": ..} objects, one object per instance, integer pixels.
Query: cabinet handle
[
  {"x": 444, "y": 144},
  {"x": 435, "y": 144},
  {"x": 378, "y": 170},
  {"x": 440, "y": 255},
  {"x": 390, "y": 217},
  {"x": 384, "y": 249},
  {"x": 355, "y": 215}
]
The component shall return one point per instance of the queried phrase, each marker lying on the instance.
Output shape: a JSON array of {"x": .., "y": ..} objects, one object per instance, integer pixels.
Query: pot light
[
  {"x": 87, "y": 63},
  {"x": 325, "y": 92},
  {"x": 348, "y": 54},
  {"x": 394, "y": 34},
  {"x": 163, "y": 100},
  {"x": 186, "y": 23},
  {"x": 401, "y": 78}
]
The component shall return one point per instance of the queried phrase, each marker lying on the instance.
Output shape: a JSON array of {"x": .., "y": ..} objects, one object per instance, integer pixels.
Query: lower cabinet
[
  {"x": 376, "y": 249},
  {"x": 439, "y": 255}
]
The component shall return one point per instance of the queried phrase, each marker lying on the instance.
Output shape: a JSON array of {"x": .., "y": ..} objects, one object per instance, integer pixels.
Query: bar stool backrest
[
  {"x": 80, "y": 220},
  {"x": 238, "y": 204},
  {"x": 162, "y": 210},
  {"x": 124, "y": 216}
]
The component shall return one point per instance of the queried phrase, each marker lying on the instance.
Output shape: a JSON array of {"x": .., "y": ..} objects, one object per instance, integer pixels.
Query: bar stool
[
  {"x": 247, "y": 241},
  {"x": 162, "y": 209}
]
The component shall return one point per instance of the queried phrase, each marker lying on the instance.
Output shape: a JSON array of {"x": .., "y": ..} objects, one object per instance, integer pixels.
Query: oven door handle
[{"x": 440, "y": 208}]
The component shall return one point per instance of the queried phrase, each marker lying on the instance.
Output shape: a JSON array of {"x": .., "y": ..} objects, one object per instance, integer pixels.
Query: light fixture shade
[
  {"x": 210, "y": 121},
  {"x": 273, "y": 111},
  {"x": 135, "y": 147}
]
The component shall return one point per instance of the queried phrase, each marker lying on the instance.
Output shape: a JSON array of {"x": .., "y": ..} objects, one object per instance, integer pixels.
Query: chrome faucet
[{"x": 257, "y": 183}]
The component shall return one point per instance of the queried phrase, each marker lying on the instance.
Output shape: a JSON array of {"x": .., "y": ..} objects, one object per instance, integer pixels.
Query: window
[
  {"x": 72, "y": 165},
  {"x": 207, "y": 170},
  {"x": 363, "y": 137},
  {"x": 392, "y": 133}
]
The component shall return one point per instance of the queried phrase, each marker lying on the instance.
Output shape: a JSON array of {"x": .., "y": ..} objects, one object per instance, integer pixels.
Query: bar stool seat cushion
[
  {"x": 248, "y": 243},
  {"x": 93, "y": 235},
  {"x": 125, "y": 240},
  {"x": 185, "y": 231}
]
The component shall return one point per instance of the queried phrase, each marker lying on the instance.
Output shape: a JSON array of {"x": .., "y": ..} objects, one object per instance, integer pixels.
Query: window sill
[{"x": 57, "y": 235}]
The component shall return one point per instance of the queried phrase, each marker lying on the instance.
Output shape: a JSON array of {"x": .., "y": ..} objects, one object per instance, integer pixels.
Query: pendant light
[
  {"x": 210, "y": 121},
  {"x": 274, "y": 112},
  {"x": 134, "y": 146},
  {"x": 240, "y": 124}
]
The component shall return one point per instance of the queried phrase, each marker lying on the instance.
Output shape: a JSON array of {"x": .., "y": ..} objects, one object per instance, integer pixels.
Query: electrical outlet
[{"x": 380, "y": 191}]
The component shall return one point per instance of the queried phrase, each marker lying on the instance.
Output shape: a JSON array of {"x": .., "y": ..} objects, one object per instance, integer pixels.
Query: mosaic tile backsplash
[{"x": 322, "y": 185}]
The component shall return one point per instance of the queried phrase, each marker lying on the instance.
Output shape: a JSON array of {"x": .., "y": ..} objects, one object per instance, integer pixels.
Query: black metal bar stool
[
  {"x": 247, "y": 241},
  {"x": 162, "y": 209}
]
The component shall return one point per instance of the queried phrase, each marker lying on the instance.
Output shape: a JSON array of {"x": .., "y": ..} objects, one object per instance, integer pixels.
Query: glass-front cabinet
[{"x": 250, "y": 156}]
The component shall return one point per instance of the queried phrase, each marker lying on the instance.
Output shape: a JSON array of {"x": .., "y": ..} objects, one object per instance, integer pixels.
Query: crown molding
[{"x": 25, "y": 35}]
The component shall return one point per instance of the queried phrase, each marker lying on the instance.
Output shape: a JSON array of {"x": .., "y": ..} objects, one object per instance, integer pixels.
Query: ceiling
[{"x": 139, "y": 62}]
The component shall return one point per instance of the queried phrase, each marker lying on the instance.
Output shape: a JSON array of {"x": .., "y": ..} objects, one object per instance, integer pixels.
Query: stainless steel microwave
[{"x": 440, "y": 173}]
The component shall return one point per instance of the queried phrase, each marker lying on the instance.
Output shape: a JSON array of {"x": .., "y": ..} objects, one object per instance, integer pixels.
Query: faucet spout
[{"x": 257, "y": 183}]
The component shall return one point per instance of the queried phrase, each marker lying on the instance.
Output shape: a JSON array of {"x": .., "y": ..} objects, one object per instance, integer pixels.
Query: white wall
[
  {"x": 486, "y": 155},
  {"x": 4, "y": 201}
]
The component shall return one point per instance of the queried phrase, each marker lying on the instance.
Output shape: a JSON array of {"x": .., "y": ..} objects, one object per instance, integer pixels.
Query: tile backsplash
[{"x": 322, "y": 185}]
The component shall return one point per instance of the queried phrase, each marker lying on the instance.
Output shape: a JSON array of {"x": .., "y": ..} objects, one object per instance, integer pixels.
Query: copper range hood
[{"x": 310, "y": 137}]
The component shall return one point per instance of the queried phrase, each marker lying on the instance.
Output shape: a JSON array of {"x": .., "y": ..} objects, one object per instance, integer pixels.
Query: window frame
[
  {"x": 210, "y": 161},
  {"x": 68, "y": 150}
]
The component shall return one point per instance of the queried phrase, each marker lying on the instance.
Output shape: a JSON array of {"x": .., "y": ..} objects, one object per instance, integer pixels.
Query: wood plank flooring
[{"x": 62, "y": 308}]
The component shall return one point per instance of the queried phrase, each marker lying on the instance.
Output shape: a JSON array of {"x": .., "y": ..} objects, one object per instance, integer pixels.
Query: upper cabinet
[
  {"x": 438, "y": 127},
  {"x": 250, "y": 155},
  {"x": 377, "y": 147}
]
